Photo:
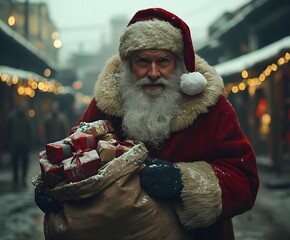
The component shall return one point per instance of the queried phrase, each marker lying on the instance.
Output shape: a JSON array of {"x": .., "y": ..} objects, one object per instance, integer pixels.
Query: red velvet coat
[{"x": 217, "y": 162}]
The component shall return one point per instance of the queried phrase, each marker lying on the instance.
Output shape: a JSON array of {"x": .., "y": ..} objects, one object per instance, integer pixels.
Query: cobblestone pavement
[{"x": 20, "y": 219}]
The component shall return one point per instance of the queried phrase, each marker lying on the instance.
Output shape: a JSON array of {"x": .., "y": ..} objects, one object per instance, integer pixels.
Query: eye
[
  {"x": 141, "y": 61},
  {"x": 163, "y": 61}
]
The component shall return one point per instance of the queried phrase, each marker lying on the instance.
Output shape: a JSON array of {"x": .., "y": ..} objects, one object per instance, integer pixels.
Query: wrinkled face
[
  {"x": 153, "y": 65},
  {"x": 149, "y": 85}
]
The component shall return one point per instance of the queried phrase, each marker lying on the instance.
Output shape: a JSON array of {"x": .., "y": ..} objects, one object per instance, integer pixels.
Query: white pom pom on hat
[
  {"x": 162, "y": 36},
  {"x": 192, "y": 83}
]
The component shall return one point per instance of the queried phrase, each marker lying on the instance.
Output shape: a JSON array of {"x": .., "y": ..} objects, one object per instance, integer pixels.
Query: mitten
[
  {"x": 45, "y": 202},
  {"x": 161, "y": 179}
]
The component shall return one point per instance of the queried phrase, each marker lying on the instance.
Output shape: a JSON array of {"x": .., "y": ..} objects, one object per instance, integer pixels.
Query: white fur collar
[{"x": 109, "y": 99}]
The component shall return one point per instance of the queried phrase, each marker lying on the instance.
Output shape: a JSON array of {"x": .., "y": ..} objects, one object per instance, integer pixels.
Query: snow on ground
[{"x": 20, "y": 218}]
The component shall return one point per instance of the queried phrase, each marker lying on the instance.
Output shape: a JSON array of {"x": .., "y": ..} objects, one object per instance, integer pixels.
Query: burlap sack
[{"x": 112, "y": 205}]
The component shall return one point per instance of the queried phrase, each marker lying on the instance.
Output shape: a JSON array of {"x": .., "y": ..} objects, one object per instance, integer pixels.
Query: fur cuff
[{"x": 201, "y": 195}]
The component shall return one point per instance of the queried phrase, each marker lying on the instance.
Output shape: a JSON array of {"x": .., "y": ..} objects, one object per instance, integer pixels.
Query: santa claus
[{"x": 159, "y": 92}]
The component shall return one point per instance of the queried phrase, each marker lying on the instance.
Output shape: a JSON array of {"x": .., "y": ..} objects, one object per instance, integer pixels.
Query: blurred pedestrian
[
  {"x": 19, "y": 137},
  {"x": 56, "y": 124}
]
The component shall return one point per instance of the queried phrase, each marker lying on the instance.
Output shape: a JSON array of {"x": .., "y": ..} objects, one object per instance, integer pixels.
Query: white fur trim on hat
[
  {"x": 192, "y": 83},
  {"x": 151, "y": 34}
]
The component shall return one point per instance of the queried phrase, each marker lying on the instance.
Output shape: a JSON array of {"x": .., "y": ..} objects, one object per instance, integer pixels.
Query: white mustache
[{"x": 148, "y": 81}]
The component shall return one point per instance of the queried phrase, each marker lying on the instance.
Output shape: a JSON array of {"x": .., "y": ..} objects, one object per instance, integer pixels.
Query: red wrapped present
[
  {"x": 82, "y": 165},
  {"x": 112, "y": 149},
  {"x": 53, "y": 174},
  {"x": 82, "y": 141},
  {"x": 60, "y": 150}
]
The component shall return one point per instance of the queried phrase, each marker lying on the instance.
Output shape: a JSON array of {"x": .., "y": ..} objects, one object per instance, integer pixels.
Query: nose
[{"x": 154, "y": 72}]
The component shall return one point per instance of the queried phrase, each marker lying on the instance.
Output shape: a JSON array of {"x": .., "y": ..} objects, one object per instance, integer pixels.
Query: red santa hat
[{"x": 156, "y": 28}]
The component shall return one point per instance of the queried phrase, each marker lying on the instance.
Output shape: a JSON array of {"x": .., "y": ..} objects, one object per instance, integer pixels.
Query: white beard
[{"x": 147, "y": 114}]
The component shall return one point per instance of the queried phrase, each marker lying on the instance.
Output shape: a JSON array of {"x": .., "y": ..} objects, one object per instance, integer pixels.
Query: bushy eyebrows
[
  {"x": 166, "y": 55},
  {"x": 138, "y": 56},
  {"x": 145, "y": 56}
]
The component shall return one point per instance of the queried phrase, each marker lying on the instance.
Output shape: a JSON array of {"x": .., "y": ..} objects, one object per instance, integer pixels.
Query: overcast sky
[{"x": 83, "y": 24}]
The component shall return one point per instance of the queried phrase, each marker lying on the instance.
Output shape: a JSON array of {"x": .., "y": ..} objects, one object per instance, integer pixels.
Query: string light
[
  {"x": 11, "y": 21},
  {"x": 252, "y": 83},
  {"x": 33, "y": 83}
]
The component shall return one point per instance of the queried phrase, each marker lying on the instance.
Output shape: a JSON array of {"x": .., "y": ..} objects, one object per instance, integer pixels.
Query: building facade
[
  {"x": 28, "y": 62},
  {"x": 250, "y": 49},
  {"x": 32, "y": 22}
]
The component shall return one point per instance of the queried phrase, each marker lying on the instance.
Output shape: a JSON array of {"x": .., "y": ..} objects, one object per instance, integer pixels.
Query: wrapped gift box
[
  {"x": 59, "y": 150},
  {"x": 82, "y": 141},
  {"x": 112, "y": 149},
  {"x": 53, "y": 174},
  {"x": 82, "y": 165},
  {"x": 107, "y": 137},
  {"x": 96, "y": 128},
  {"x": 101, "y": 127}
]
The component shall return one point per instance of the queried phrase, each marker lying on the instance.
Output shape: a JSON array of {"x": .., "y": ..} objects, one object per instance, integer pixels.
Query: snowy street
[
  {"x": 269, "y": 219},
  {"x": 20, "y": 219}
]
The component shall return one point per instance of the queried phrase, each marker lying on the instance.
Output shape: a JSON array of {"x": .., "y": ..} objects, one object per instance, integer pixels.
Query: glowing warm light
[
  {"x": 30, "y": 81},
  {"x": 266, "y": 119},
  {"x": 257, "y": 82},
  {"x": 47, "y": 72},
  {"x": 77, "y": 85},
  {"x": 4, "y": 77},
  {"x": 14, "y": 80},
  {"x": 11, "y": 21},
  {"x": 274, "y": 67},
  {"x": 245, "y": 74},
  {"x": 32, "y": 94},
  {"x": 28, "y": 85},
  {"x": 242, "y": 86},
  {"x": 27, "y": 91},
  {"x": 262, "y": 77},
  {"x": 54, "y": 35},
  {"x": 281, "y": 61},
  {"x": 57, "y": 43},
  {"x": 45, "y": 88},
  {"x": 251, "y": 82},
  {"x": 235, "y": 89},
  {"x": 34, "y": 85},
  {"x": 50, "y": 87},
  {"x": 21, "y": 90},
  {"x": 252, "y": 91},
  {"x": 264, "y": 129},
  {"x": 59, "y": 89},
  {"x": 31, "y": 112},
  {"x": 267, "y": 72},
  {"x": 41, "y": 86}
]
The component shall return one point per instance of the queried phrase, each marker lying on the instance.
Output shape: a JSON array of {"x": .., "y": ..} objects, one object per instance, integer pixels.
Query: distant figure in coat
[
  {"x": 19, "y": 137},
  {"x": 56, "y": 125}
]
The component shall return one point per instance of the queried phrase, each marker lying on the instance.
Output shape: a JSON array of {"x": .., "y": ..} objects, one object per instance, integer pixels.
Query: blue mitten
[
  {"x": 45, "y": 202},
  {"x": 161, "y": 179}
]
